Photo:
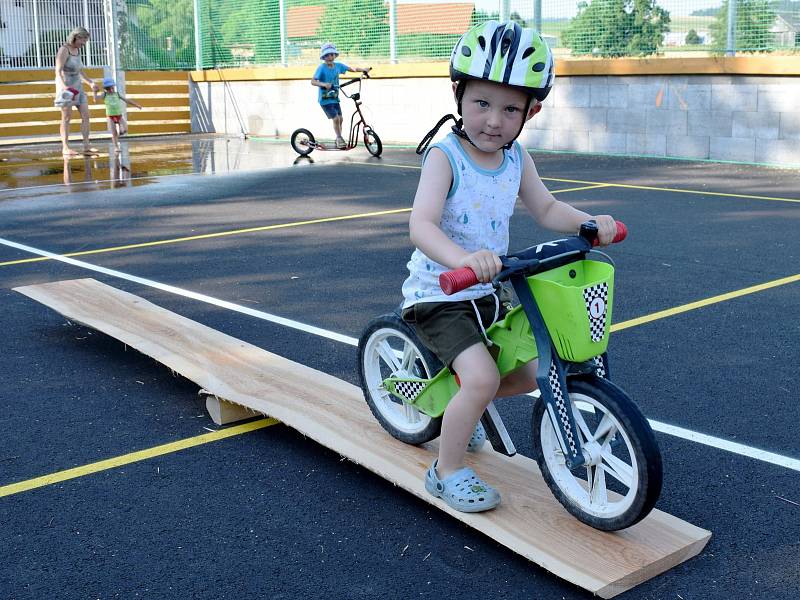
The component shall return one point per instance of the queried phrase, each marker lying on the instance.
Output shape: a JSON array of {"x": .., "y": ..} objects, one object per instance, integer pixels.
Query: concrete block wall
[{"x": 717, "y": 117}]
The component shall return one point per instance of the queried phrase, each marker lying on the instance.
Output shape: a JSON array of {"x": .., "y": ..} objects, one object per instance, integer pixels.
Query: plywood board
[{"x": 331, "y": 411}]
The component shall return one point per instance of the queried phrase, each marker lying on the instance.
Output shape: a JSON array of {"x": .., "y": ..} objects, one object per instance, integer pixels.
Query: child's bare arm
[
  {"x": 321, "y": 84},
  {"x": 426, "y": 234},
  {"x": 554, "y": 214},
  {"x": 359, "y": 69},
  {"x": 130, "y": 102}
]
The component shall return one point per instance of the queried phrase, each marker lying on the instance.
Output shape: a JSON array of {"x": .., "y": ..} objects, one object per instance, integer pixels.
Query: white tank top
[{"x": 476, "y": 215}]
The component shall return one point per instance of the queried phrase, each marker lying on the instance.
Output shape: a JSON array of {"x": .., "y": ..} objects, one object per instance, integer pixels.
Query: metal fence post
[
  {"x": 731, "y": 43},
  {"x": 505, "y": 10},
  {"x": 537, "y": 15},
  {"x": 198, "y": 38},
  {"x": 86, "y": 25},
  {"x": 112, "y": 42},
  {"x": 37, "y": 37},
  {"x": 282, "y": 21},
  {"x": 393, "y": 31}
]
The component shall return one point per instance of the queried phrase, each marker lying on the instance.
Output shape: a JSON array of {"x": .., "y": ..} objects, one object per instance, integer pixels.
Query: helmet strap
[
  {"x": 423, "y": 145},
  {"x": 458, "y": 128}
]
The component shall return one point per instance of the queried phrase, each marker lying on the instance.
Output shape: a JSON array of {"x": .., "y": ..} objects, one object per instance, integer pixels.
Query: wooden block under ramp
[
  {"x": 331, "y": 411},
  {"x": 223, "y": 412}
]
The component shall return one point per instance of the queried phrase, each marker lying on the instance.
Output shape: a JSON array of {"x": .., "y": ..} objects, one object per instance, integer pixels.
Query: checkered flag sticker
[
  {"x": 596, "y": 298},
  {"x": 601, "y": 366},
  {"x": 561, "y": 405},
  {"x": 407, "y": 389}
]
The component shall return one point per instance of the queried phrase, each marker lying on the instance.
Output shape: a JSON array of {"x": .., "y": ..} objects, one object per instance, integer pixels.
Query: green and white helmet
[{"x": 504, "y": 53}]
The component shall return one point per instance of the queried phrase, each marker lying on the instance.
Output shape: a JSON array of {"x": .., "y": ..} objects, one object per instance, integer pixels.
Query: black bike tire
[
  {"x": 302, "y": 151},
  {"x": 377, "y": 141},
  {"x": 393, "y": 321},
  {"x": 643, "y": 441}
]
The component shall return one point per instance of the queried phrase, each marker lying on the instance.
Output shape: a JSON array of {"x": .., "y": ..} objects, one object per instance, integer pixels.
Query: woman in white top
[{"x": 69, "y": 89}]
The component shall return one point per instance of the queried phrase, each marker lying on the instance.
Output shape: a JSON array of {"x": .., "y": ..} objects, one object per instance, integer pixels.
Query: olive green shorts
[{"x": 449, "y": 328}]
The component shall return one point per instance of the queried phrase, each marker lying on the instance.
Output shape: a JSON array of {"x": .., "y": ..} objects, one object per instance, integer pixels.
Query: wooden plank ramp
[{"x": 529, "y": 521}]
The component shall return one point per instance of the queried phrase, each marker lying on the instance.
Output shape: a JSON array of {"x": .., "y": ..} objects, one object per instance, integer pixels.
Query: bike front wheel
[
  {"x": 303, "y": 141},
  {"x": 372, "y": 142},
  {"x": 621, "y": 481},
  {"x": 390, "y": 348}
]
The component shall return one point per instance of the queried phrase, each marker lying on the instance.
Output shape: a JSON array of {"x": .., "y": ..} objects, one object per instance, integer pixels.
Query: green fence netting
[{"x": 161, "y": 34}]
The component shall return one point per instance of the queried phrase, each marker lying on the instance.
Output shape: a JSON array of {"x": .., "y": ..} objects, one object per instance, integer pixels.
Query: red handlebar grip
[
  {"x": 622, "y": 233},
  {"x": 457, "y": 280}
]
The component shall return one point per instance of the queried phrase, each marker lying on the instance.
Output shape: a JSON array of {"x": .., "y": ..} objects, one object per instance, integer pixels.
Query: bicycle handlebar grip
[
  {"x": 457, "y": 280},
  {"x": 622, "y": 233}
]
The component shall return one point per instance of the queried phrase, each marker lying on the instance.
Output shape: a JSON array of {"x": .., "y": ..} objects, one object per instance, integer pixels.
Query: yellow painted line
[
  {"x": 628, "y": 186},
  {"x": 705, "y": 302},
  {"x": 206, "y": 236},
  {"x": 247, "y": 230},
  {"x": 578, "y": 189},
  {"x": 126, "y": 459},
  {"x": 677, "y": 190}
]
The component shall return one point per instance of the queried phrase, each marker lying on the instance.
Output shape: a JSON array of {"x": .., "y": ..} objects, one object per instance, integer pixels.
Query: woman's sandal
[{"x": 462, "y": 490}]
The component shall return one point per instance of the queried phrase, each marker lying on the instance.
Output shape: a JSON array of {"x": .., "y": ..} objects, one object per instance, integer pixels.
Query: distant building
[{"x": 786, "y": 30}]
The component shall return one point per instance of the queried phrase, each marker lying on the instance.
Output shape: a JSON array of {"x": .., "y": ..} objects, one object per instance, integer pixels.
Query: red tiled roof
[
  {"x": 303, "y": 21},
  {"x": 449, "y": 17}
]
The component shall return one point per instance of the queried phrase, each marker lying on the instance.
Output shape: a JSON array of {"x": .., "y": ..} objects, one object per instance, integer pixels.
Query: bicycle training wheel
[
  {"x": 622, "y": 480},
  {"x": 303, "y": 141},
  {"x": 389, "y": 347},
  {"x": 372, "y": 142}
]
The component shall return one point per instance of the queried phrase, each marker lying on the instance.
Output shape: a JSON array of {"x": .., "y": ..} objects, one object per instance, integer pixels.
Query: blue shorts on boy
[{"x": 327, "y": 74}]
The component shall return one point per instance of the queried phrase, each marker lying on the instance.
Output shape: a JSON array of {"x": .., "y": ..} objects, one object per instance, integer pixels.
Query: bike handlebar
[{"x": 460, "y": 279}]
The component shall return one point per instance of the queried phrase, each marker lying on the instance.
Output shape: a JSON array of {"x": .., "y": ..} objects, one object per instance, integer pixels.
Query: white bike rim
[
  {"x": 378, "y": 351},
  {"x": 598, "y": 501}
]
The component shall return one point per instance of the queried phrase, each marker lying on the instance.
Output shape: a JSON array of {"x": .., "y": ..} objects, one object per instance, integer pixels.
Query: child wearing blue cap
[
  {"x": 326, "y": 78},
  {"x": 115, "y": 110}
]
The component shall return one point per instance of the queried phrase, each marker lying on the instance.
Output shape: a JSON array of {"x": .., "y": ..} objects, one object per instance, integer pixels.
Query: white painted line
[
  {"x": 736, "y": 448},
  {"x": 686, "y": 434},
  {"x": 187, "y": 293}
]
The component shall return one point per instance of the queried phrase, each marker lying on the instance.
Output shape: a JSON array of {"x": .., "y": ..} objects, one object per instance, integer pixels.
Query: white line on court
[{"x": 686, "y": 434}]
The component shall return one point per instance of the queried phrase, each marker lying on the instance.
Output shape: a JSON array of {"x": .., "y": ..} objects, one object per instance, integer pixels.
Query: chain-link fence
[
  {"x": 161, "y": 34},
  {"x": 381, "y": 30}
]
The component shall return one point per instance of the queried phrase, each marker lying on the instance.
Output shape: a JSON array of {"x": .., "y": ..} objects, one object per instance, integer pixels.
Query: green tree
[
  {"x": 753, "y": 21},
  {"x": 692, "y": 39},
  {"x": 168, "y": 28},
  {"x": 617, "y": 28},
  {"x": 359, "y": 27},
  {"x": 248, "y": 25}
]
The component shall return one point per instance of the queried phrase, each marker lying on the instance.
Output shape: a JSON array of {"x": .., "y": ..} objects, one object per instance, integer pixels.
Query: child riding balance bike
[
  {"x": 434, "y": 367},
  {"x": 326, "y": 78}
]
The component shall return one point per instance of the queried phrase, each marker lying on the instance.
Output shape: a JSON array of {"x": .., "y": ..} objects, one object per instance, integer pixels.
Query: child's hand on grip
[
  {"x": 606, "y": 229},
  {"x": 484, "y": 263}
]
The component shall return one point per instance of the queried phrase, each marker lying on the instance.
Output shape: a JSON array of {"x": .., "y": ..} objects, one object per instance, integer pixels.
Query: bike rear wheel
[
  {"x": 622, "y": 481},
  {"x": 389, "y": 347},
  {"x": 303, "y": 141},
  {"x": 372, "y": 142}
]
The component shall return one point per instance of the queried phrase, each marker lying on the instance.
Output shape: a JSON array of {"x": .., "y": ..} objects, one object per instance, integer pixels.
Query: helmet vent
[
  {"x": 527, "y": 53},
  {"x": 538, "y": 67},
  {"x": 482, "y": 42},
  {"x": 466, "y": 51},
  {"x": 505, "y": 44}
]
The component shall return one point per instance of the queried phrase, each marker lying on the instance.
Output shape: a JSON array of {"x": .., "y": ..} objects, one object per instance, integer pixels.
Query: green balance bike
[{"x": 594, "y": 447}]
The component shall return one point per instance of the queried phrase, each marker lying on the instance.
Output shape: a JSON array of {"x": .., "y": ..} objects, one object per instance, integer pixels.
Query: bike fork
[{"x": 551, "y": 378}]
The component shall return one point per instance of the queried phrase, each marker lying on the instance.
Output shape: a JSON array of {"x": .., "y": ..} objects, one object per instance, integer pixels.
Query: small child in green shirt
[{"x": 115, "y": 110}]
